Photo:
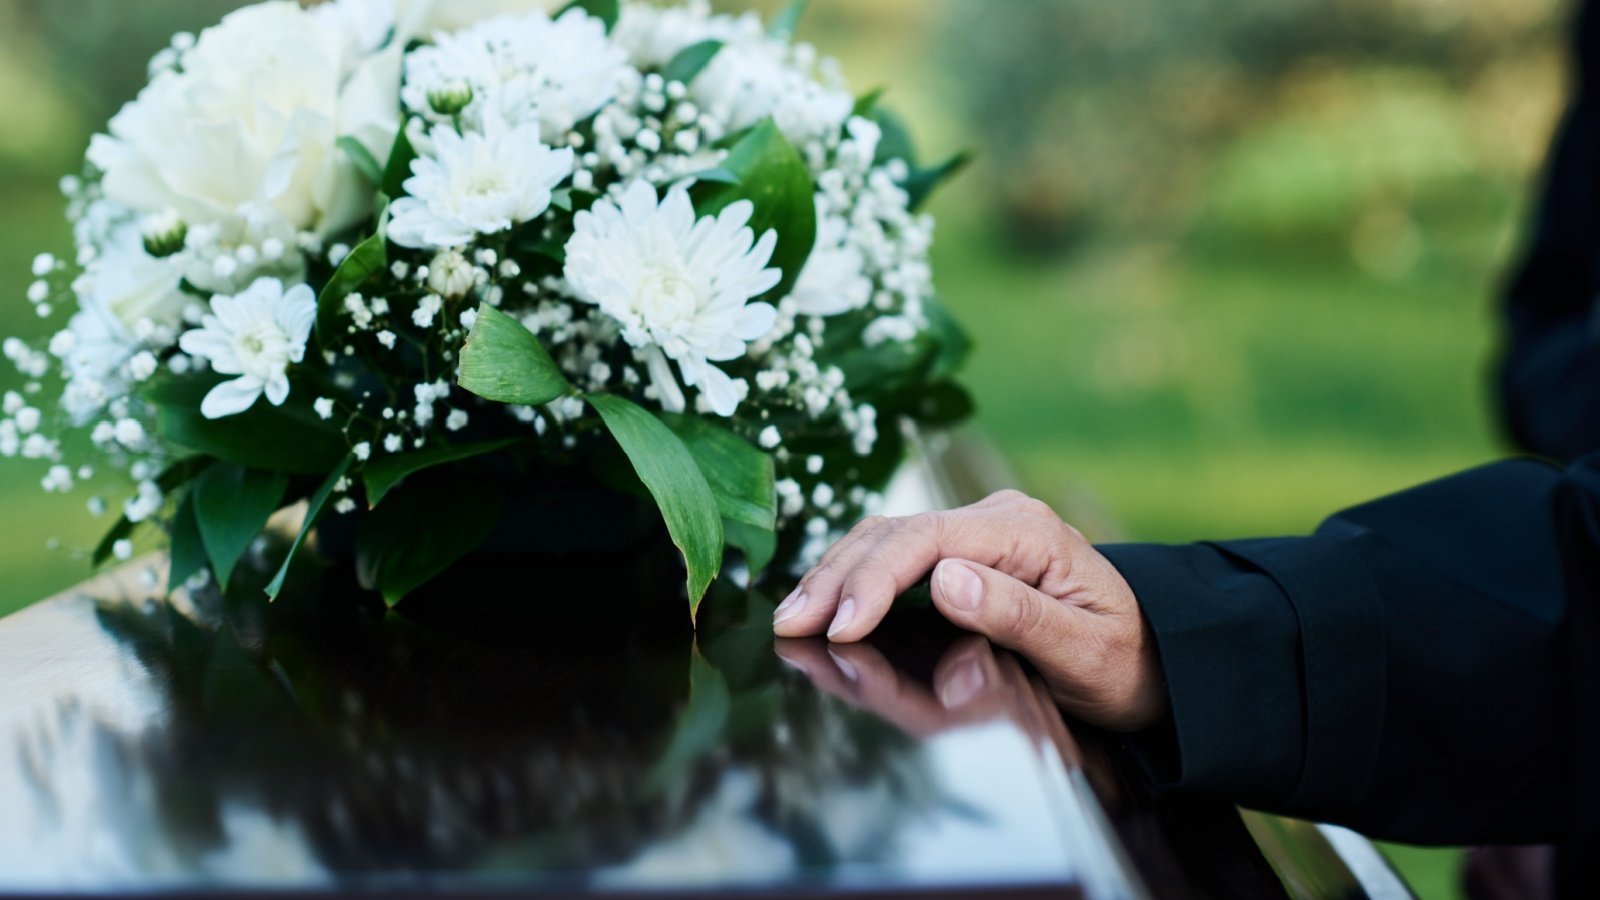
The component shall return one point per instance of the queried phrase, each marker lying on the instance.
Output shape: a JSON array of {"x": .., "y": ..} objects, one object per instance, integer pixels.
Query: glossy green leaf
[
  {"x": 368, "y": 258},
  {"x": 784, "y": 25},
  {"x": 231, "y": 507},
  {"x": 700, "y": 726},
  {"x": 289, "y": 438},
  {"x": 314, "y": 509},
  {"x": 171, "y": 478},
  {"x": 682, "y": 493},
  {"x": 691, "y": 61},
  {"x": 362, "y": 158},
  {"x": 503, "y": 361},
  {"x": 718, "y": 175},
  {"x": 757, "y": 544},
  {"x": 424, "y": 527},
  {"x": 607, "y": 11},
  {"x": 740, "y": 474},
  {"x": 187, "y": 553},
  {"x": 398, "y": 167},
  {"x": 774, "y": 177},
  {"x": 382, "y": 474}
]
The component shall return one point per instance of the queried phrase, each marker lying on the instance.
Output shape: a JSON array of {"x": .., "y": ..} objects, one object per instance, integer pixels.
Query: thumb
[{"x": 1010, "y": 613}]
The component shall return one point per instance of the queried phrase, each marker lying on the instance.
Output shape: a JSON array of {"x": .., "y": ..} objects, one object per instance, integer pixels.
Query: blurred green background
[{"x": 1231, "y": 265}]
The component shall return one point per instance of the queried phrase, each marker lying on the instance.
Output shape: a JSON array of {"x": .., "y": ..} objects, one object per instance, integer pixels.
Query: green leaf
[
  {"x": 896, "y": 140},
  {"x": 289, "y": 438},
  {"x": 369, "y": 258},
  {"x": 398, "y": 168},
  {"x": 231, "y": 506},
  {"x": 866, "y": 103},
  {"x": 718, "y": 175},
  {"x": 171, "y": 478},
  {"x": 787, "y": 21},
  {"x": 503, "y": 361},
  {"x": 382, "y": 474},
  {"x": 740, "y": 474},
  {"x": 772, "y": 175},
  {"x": 699, "y": 728},
  {"x": 954, "y": 343},
  {"x": 691, "y": 61},
  {"x": 669, "y": 470},
  {"x": 941, "y": 403},
  {"x": 314, "y": 510},
  {"x": 363, "y": 159},
  {"x": 757, "y": 544},
  {"x": 606, "y": 11},
  {"x": 921, "y": 182},
  {"x": 188, "y": 550},
  {"x": 396, "y": 553}
]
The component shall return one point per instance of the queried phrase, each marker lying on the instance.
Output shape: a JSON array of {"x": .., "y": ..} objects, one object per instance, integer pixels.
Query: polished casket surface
[{"x": 531, "y": 730}]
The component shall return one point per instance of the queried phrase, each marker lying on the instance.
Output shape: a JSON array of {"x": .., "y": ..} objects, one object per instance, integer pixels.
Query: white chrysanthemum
[
  {"x": 834, "y": 279},
  {"x": 525, "y": 68},
  {"x": 477, "y": 184},
  {"x": 680, "y": 287},
  {"x": 750, "y": 80},
  {"x": 250, "y": 121},
  {"x": 254, "y": 335}
]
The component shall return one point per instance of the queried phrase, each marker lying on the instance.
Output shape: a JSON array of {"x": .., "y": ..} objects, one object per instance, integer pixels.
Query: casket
[{"x": 325, "y": 745}]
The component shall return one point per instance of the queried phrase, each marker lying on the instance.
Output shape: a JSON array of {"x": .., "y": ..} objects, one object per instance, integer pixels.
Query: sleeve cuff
[{"x": 1229, "y": 642}]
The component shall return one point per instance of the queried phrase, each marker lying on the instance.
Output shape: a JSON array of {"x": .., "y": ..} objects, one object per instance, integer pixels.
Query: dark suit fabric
[{"x": 1425, "y": 667}]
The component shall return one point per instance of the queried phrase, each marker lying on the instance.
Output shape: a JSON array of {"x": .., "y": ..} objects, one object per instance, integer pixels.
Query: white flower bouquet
[{"x": 351, "y": 254}]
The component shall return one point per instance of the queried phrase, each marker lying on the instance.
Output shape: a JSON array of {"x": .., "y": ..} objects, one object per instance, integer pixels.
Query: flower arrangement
[{"x": 331, "y": 250}]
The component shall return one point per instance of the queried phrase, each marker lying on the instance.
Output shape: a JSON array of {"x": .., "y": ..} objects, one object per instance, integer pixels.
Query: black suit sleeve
[
  {"x": 1549, "y": 373},
  {"x": 1424, "y": 668}
]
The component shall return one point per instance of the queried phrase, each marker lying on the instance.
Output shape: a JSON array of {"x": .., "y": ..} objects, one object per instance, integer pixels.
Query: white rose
[
  {"x": 421, "y": 18},
  {"x": 248, "y": 127}
]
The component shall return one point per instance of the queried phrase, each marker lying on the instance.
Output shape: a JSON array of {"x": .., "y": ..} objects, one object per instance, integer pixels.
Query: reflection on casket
[{"x": 320, "y": 744}]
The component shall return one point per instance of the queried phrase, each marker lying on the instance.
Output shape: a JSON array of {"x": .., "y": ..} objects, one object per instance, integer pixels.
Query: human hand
[
  {"x": 971, "y": 684},
  {"x": 1007, "y": 568}
]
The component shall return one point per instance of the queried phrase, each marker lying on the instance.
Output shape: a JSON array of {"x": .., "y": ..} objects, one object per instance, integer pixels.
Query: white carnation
[
  {"x": 255, "y": 335},
  {"x": 477, "y": 184},
  {"x": 680, "y": 287}
]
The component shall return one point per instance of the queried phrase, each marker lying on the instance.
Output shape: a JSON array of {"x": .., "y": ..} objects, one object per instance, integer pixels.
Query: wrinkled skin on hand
[{"x": 1007, "y": 568}]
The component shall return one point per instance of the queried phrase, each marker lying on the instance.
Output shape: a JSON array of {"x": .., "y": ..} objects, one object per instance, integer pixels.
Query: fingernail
[
  {"x": 962, "y": 588},
  {"x": 962, "y": 685},
  {"x": 847, "y": 611},
  {"x": 792, "y": 605},
  {"x": 845, "y": 667}
]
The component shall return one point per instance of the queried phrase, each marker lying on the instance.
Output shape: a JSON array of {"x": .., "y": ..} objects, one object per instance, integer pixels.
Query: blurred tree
[{"x": 1106, "y": 117}]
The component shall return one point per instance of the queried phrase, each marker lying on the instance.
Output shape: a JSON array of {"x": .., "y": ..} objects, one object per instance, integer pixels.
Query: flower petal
[{"x": 230, "y": 397}]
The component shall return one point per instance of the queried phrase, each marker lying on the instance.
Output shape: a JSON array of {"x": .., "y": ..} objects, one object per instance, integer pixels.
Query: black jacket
[{"x": 1425, "y": 667}]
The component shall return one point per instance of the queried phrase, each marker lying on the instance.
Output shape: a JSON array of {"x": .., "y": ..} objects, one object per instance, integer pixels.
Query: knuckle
[{"x": 1007, "y": 496}]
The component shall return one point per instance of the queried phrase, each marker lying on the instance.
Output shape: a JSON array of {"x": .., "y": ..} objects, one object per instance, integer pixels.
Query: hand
[
  {"x": 971, "y": 684},
  {"x": 1007, "y": 568}
]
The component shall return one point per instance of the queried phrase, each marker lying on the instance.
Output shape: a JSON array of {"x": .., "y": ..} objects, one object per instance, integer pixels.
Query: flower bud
[
  {"x": 163, "y": 233},
  {"x": 450, "y": 99},
  {"x": 451, "y": 275}
]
